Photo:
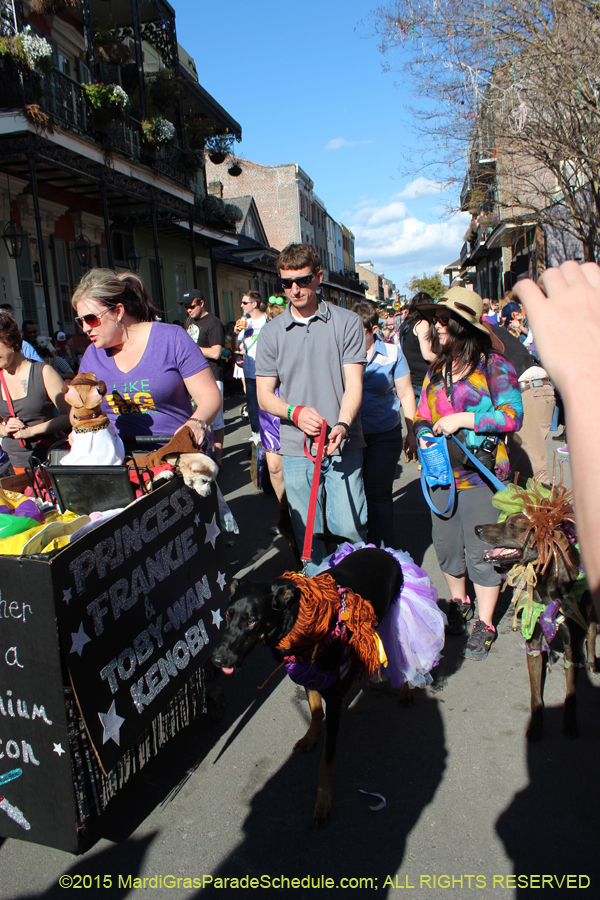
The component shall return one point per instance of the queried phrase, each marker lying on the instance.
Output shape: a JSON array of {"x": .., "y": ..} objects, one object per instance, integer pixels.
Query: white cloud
[
  {"x": 336, "y": 143},
  {"x": 420, "y": 187}
]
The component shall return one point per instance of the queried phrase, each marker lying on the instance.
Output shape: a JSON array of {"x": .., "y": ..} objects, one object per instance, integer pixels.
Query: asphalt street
[{"x": 471, "y": 810}]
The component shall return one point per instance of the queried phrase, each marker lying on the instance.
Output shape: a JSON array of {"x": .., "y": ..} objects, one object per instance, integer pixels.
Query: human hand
[
  {"x": 336, "y": 436},
  {"x": 562, "y": 311},
  {"x": 449, "y": 424},
  {"x": 309, "y": 421},
  {"x": 24, "y": 433},
  {"x": 410, "y": 446},
  {"x": 13, "y": 424}
]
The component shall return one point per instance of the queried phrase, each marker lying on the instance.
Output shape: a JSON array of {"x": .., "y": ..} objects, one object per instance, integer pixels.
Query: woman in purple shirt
[{"x": 153, "y": 371}]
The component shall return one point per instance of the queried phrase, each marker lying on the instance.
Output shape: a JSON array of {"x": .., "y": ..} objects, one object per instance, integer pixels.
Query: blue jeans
[
  {"x": 341, "y": 488},
  {"x": 252, "y": 402},
  {"x": 381, "y": 456}
]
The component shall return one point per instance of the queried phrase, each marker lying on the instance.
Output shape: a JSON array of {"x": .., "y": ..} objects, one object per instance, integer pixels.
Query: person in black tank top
[{"x": 30, "y": 394}]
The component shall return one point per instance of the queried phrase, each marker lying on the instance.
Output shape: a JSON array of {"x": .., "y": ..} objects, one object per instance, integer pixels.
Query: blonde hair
[{"x": 109, "y": 288}]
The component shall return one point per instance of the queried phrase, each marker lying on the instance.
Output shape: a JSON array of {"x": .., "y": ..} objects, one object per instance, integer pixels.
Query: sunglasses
[
  {"x": 191, "y": 305},
  {"x": 443, "y": 320},
  {"x": 91, "y": 319},
  {"x": 304, "y": 281},
  {"x": 245, "y": 302}
]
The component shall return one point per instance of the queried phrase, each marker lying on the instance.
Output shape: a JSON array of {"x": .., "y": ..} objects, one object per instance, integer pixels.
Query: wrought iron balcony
[{"x": 464, "y": 253}]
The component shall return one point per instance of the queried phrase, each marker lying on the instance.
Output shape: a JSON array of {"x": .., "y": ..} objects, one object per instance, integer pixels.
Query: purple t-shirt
[{"x": 151, "y": 398}]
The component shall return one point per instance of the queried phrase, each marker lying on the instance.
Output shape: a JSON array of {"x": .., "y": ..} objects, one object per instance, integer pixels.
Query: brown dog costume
[
  {"x": 85, "y": 396},
  {"x": 182, "y": 452}
]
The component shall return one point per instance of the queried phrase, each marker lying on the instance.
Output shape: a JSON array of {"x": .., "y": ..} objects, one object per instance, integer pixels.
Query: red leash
[{"x": 314, "y": 493}]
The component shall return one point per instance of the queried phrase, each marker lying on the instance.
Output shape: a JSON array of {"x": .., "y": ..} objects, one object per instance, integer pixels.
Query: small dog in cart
[
  {"x": 536, "y": 543},
  {"x": 361, "y": 614}
]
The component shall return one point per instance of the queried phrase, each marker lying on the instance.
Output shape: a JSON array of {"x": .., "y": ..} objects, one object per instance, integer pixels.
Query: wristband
[
  {"x": 290, "y": 411},
  {"x": 296, "y": 414},
  {"x": 344, "y": 425}
]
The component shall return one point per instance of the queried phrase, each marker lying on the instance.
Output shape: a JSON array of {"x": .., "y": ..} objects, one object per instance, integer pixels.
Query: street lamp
[
  {"x": 133, "y": 259},
  {"x": 83, "y": 251},
  {"x": 14, "y": 238}
]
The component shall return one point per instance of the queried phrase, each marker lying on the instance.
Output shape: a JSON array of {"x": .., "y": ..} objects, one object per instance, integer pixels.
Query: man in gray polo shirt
[{"x": 315, "y": 352}]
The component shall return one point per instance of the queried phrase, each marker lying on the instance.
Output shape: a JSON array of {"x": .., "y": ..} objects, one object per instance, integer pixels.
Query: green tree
[{"x": 431, "y": 284}]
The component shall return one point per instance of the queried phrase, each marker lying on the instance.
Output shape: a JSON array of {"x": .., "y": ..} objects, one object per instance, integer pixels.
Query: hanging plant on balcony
[
  {"x": 108, "y": 43},
  {"x": 158, "y": 131},
  {"x": 40, "y": 120},
  {"x": 52, "y": 7},
  {"x": 27, "y": 51},
  {"x": 105, "y": 102},
  {"x": 235, "y": 170},
  {"x": 218, "y": 147},
  {"x": 163, "y": 88}
]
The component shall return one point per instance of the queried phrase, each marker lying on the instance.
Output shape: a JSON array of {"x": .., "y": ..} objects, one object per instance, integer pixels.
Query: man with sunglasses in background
[
  {"x": 208, "y": 332},
  {"x": 254, "y": 310},
  {"x": 316, "y": 353}
]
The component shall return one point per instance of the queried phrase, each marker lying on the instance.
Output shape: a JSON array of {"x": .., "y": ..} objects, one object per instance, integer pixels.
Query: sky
[{"x": 306, "y": 83}]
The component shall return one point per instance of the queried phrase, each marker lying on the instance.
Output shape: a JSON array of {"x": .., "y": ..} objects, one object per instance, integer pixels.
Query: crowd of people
[{"x": 317, "y": 375}]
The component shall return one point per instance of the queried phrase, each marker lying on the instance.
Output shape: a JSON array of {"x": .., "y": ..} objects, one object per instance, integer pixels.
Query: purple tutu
[{"x": 412, "y": 631}]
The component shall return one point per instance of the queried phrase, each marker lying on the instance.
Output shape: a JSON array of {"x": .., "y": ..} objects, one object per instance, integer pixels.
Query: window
[{"x": 228, "y": 304}]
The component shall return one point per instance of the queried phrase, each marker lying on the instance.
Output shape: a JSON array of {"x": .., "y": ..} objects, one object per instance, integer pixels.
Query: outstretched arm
[{"x": 563, "y": 310}]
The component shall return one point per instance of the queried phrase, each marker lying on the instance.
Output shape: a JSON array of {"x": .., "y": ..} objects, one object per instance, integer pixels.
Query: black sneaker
[
  {"x": 482, "y": 638},
  {"x": 459, "y": 614}
]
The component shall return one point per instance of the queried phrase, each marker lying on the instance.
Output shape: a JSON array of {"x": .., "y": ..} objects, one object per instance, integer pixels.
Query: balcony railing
[
  {"x": 64, "y": 101},
  {"x": 464, "y": 253}
]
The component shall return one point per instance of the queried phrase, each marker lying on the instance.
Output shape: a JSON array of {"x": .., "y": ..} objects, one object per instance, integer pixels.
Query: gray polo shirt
[{"x": 308, "y": 358}]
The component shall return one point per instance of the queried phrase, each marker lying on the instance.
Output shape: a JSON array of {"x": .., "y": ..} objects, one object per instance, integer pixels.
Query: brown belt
[{"x": 533, "y": 382}]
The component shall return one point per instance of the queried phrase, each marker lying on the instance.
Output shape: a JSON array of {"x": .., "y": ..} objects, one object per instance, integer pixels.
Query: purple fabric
[
  {"x": 27, "y": 508},
  {"x": 269, "y": 428},
  {"x": 154, "y": 398},
  {"x": 548, "y": 620},
  {"x": 412, "y": 631}
]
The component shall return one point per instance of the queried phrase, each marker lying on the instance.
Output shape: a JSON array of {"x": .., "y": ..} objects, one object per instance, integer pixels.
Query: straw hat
[{"x": 465, "y": 304}]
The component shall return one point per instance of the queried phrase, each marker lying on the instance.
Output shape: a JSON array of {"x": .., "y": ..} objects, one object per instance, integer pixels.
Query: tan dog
[{"x": 197, "y": 469}]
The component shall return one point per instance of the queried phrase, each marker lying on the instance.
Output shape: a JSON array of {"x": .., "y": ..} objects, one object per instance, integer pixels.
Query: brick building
[{"x": 283, "y": 196}]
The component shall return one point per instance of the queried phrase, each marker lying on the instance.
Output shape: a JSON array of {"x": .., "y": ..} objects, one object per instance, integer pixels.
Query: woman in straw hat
[{"x": 472, "y": 392}]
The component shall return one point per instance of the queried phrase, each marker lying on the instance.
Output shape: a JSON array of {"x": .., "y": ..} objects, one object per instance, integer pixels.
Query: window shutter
[
  {"x": 26, "y": 286},
  {"x": 65, "y": 309},
  {"x": 76, "y": 267},
  {"x": 228, "y": 304},
  {"x": 103, "y": 257}
]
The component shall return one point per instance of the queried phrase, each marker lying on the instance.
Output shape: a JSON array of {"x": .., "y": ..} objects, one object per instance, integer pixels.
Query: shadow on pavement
[
  {"x": 552, "y": 825},
  {"x": 399, "y": 753}
]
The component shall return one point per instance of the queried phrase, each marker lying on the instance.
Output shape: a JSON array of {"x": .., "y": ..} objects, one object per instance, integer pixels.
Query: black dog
[
  {"x": 266, "y": 613},
  {"x": 512, "y": 543}
]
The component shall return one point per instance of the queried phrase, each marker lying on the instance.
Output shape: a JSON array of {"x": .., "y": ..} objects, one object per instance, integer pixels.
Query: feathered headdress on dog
[{"x": 550, "y": 512}]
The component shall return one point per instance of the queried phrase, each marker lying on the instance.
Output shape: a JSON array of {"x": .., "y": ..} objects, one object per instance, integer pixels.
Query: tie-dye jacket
[{"x": 492, "y": 393}]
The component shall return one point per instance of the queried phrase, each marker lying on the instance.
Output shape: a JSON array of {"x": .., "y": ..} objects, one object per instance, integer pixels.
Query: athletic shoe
[
  {"x": 559, "y": 437},
  {"x": 482, "y": 638},
  {"x": 563, "y": 451},
  {"x": 459, "y": 614}
]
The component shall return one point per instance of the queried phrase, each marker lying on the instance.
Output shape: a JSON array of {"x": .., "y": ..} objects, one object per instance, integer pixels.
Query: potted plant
[
  {"x": 52, "y": 7},
  {"x": 105, "y": 102},
  {"x": 108, "y": 43},
  {"x": 235, "y": 169},
  {"x": 163, "y": 89},
  {"x": 158, "y": 131},
  {"x": 27, "y": 51},
  {"x": 218, "y": 147}
]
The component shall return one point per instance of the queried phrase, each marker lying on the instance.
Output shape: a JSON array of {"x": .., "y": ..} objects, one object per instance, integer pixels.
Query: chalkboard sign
[
  {"x": 138, "y": 603},
  {"x": 36, "y": 784},
  {"x": 128, "y": 613}
]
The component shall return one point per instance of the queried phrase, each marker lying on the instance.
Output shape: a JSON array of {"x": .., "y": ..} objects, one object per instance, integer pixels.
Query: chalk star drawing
[
  {"x": 217, "y": 617},
  {"x": 221, "y": 580},
  {"x": 67, "y": 595},
  {"x": 58, "y": 749},
  {"x": 212, "y": 531},
  {"x": 111, "y": 722},
  {"x": 80, "y": 639}
]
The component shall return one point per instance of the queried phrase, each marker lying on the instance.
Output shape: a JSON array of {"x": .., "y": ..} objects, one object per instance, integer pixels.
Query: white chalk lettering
[
  {"x": 14, "y": 752},
  {"x": 40, "y": 713},
  {"x": 97, "y": 610},
  {"x": 14, "y": 609},
  {"x": 14, "y": 660},
  {"x": 108, "y": 672}
]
